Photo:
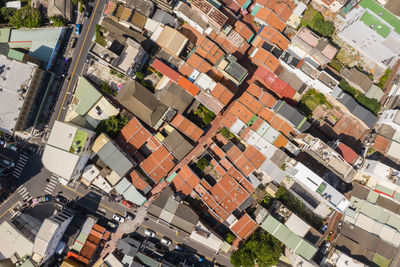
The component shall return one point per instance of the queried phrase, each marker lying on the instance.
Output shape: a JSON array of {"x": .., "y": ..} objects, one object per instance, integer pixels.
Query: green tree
[
  {"x": 26, "y": 17},
  {"x": 202, "y": 163},
  {"x": 230, "y": 238},
  {"x": 58, "y": 21},
  {"x": 81, "y": 8},
  {"x": 6, "y": 13},
  {"x": 112, "y": 126},
  {"x": 107, "y": 90},
  {"x": 261, "y": 248}
]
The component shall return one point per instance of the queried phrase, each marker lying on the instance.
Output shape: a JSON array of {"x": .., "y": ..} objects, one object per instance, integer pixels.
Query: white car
[
  {"x": 118, "y": 218},
  {"x": 149, "y": 233},
  {"x": 166, "y": 241}
]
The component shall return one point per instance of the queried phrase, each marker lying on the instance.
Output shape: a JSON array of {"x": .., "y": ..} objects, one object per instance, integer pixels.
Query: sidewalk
[{"x": 125, "y": 228}]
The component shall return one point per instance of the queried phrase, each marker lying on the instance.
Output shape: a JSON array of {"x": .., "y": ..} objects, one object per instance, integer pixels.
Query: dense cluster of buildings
[{"x": 213, "y": 96}]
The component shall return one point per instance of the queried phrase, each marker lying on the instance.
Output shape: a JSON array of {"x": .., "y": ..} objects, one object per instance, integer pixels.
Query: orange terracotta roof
[
  {"x": 242, "y": 112},
  {"x": 260, "y": 56},
  {"x": 381, "y": 144},
  {"x": 209, "y": 50},
  {"x": 187, "y": 127},
  {"x": 189, "y": 176},
  {"x": 158, "y": 164},
  {"x": 228, "y": 120},
  {"x": 281, "y": 141},
  {"x": 133, "y": 136},
  {"x": 255, "y": 90},
  {"x": 244, "y": 227},
  {"x": 270, "y": 18},
  {"x": 267, "y": 114},
  {"x": 180, "y": 185},
  {"x": 271, "y": 35},
  {"x": 221, "y": 139},
  {"x": 186, "y": 70},
  {"x": 251, "y": 102},
  {"x": 243, "y": 30},
  {"x": 137, "y": 181},
  {"x": 218, "y": 151},
  {"x": 268, "y": 100},
  {"x": 222, "y": 93},
  {"x": 188, "y": 86}
]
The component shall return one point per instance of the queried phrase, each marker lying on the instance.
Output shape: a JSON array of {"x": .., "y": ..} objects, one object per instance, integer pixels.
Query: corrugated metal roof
[{"x": 115, "y": 159}]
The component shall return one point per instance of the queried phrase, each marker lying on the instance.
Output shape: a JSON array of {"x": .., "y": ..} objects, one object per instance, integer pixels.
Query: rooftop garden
[
  {"x": 99, "y": 36},
  {"x": 315, "y": 21},
  {"x": 310, "y": 100},
  {"x": 78, "y": 142},
  {"x": 202, "y": 116},
  {"x": 369, "y": 103}
]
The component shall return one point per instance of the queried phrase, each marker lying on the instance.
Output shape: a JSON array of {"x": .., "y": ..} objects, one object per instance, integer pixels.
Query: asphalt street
[
  {"x": 78, "y": 61},
  {"x": 182, "y": 238}
]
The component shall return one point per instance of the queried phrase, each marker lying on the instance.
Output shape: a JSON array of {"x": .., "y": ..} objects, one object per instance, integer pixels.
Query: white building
[
  {"x": 391, "y": 117},
  {"x": 370, "y": 28},
  {"x": 132, "y": 57},
  {"x": 193, "y": 18},
  {"x": 50, "y": 234},
  {"x": 67, "y": 150}
]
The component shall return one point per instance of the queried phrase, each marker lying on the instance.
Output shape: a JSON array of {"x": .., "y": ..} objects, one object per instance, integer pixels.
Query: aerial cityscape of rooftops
[{"x": 200, "y": 133}]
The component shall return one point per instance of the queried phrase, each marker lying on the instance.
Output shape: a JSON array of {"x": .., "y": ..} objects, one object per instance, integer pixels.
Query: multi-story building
[
  {"x": 20, "y": 82},
  {"x": 370, "y": 28},
  {"x": 50, "y": 234},
  {"x": 67, "y": 150},
  {"x": 132, "y": 58}
]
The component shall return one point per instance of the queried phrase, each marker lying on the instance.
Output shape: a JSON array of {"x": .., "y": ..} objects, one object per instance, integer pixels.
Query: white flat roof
[
  {"x": 59, "y": 161},
  {"x": 297, "y": 225},
  {"x": 14, "y": 75},
  {"x": 62, "y": 135}
]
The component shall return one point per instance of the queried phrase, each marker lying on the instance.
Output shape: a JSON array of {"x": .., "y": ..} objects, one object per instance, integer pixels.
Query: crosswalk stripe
[
  {"x": 24, "y": 157},
  {"x": 18, "y": 172},
  {"x": 15, "y": 175},
  {"x": 21, "y": 189},
  {"x": 19, "y": 168},
  {"x": 48, "y": 191},
  {"x": 29, "y": 198},
  {"x": 24, "y": 195},
  {"x": 53, "y": 183}
]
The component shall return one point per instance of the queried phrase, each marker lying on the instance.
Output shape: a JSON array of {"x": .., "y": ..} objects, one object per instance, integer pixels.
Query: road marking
[
  {"x": 77, "y": 61},
  {"x": 15, "y": 204},
  {"x": 82, "y": 195}
]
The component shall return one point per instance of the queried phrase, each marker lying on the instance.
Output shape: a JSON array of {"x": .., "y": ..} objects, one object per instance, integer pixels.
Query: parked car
[
  {"x": 61, "y": 199},
  {"x": 73, "y": 42},
  {"x": 166, "y": 241},
  {"x": 129, "y": 215},
  {"x": 88, "y": 11},
  {"x": 112, "y": 224},
  {"x": 118, "y": 218},
  {"x": 127, "y": 204},
  {"x": 78, "y": 29},
  {"x": 149, "y": 233}
]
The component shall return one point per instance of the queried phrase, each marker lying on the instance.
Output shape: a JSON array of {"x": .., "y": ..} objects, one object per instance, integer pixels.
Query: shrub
[
  {"x": 202, "y": 163},
  {"x": 58, "y": 21},
  {"x": 107, "y": 90},
  {"x": 226, "y": 133},
  {"x": 112, "y": 126},
  {"x": 384, "y": 78},
  {"x": 336, "y": 64},
  {"x": 230, "y": 238},
  {"x": 314, "y": 20}
]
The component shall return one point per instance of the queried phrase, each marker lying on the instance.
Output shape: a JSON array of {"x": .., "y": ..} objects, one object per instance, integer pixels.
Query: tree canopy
[
  {"x": 26, "y": 17},
  {"x": 112, "y": 126},
  {"x": 58, "y": 21},
  {"x": 261, "y": 248}
]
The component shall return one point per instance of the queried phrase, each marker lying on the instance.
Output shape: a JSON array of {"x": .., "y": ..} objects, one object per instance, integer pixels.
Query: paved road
[
  {"x": 182, "y": 238},
  {"x": 78, "y": 61}
]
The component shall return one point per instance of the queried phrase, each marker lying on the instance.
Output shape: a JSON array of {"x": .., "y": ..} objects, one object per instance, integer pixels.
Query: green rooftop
[
  {"x": 376, "y": 24},
  {"x": 78, "y": 142},
  {"x": 382, "y": 13},
  {"x": 87, "y": 95}
]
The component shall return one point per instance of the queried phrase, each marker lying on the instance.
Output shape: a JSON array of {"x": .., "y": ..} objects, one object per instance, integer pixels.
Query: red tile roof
[
  {"x": 222, "y": 93},
  {"x": 215, "y": 16},
  {"x": 251, "y": 102},
  {"x": 209, "y": 50},
  {"x": 347, "y": 153},
  {"x": 260, "y": 56},
  {"x": 187, "y": 127},
  {"x": 165, "y": 70},
  {"x": 273, "y": 36},
  {"x": 158, "y": 164},
  {"x": 243, "y": 30},
  {"x": 270, "y": 18},
  {"x": 228, "y": 120},
  {"x": 137, "y": 181},
  {"x": 133, "y": 136},
  {"x": 199, "y": 63},
  {"x": 269, "y": 79},
  {"x": 255, "y": 90},
  {"x": 244, "y": 227},
  {"x": 186, "y": 70},
  {"x": 242, "y": 112}
]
